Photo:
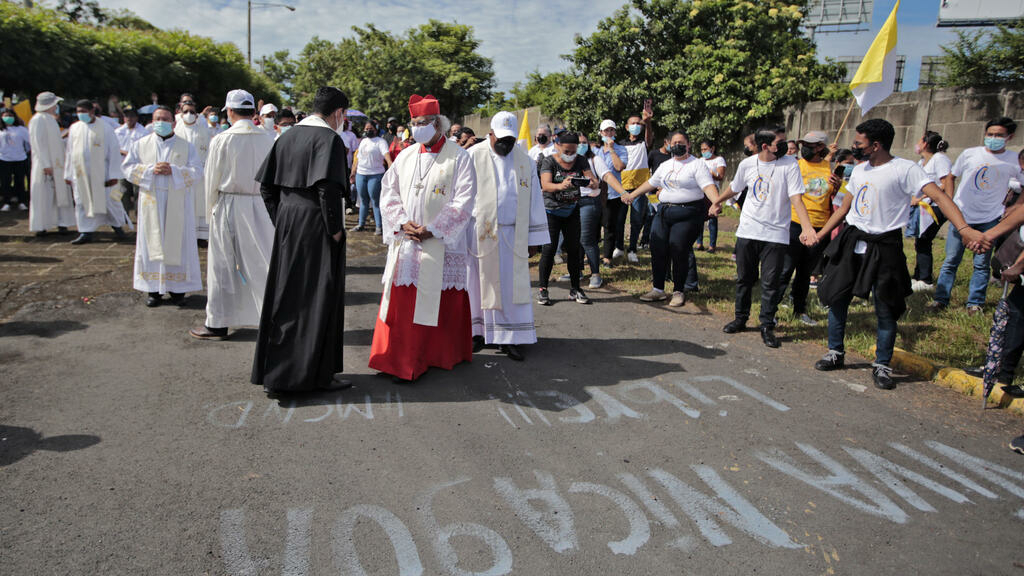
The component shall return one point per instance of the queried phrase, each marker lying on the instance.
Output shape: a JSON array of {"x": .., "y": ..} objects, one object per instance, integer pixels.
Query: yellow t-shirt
[{"x": 817, "y": 198}]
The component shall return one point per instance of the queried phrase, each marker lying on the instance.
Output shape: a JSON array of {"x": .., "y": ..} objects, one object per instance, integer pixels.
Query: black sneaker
[
  {"x": 735, "y": 326},
  {"x": 542, "y": 297},
  {"x": 833, "y": 360},
  {"x": 1017, "y": 444},
  {"x": 882, "y": 375},
  {"x": 579, "y": 296},
  {"x": 478, "y": 344},
  {"x": 769, "y": 338}
]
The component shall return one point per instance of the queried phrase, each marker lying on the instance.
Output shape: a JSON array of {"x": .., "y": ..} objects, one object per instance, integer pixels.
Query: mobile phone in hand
[
  {"x": 580, "y": 182},
  {"x": 649, "y": 105}
]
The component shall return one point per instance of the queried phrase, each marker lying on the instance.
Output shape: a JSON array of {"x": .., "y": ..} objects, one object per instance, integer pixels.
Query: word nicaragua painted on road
[
  {"x": 544, "y": 505},
  {"x": 525, "y": 409}
]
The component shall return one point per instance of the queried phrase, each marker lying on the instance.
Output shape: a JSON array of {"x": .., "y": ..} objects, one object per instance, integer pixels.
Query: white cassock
[
  {"x": 50, "y": 204},
  {"x": 506, "y": 315},
  {"x": 166, "y": 256},
  {"x": 198, "y": 134},
  {"x": 93, "y": 157},
  {"x": 241, "y": 232},
  {"x": 126, "y": 136}
]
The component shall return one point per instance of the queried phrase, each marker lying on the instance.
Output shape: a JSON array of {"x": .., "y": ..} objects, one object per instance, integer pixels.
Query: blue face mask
[
  {"x": 995, "y": 143},
  {"x": 635, "y": 129},
  {"x": 705, "y": 155},
  {"x": 581, "y": 150},
  {"x": 162, "y": 128},
  {"x": 847, "y": 170},
  {"x": 84, "y": 117},
  {"x": 213, "y": 119},
  {"x": 9, "y": 120}
]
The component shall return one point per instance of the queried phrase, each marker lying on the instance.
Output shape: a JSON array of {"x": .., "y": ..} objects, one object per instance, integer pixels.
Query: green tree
[
  {"x": 986, "y": 59},
  {"x": 280, "y": 69},
  {"x": 41, "y": 50},
  {"x": 380, "y": 70},
  {"x": 713, "y": 67}
]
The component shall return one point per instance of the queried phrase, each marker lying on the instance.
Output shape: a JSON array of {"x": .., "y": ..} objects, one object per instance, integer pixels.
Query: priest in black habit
[{"x": 302, "y": 180}]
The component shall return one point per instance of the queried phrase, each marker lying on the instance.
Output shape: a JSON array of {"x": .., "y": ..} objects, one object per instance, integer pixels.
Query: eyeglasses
[{"x": 421, "y": 123}]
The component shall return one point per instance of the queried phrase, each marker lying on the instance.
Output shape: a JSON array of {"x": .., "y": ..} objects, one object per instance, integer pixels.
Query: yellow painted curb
[{"x": 954, "y": 378}]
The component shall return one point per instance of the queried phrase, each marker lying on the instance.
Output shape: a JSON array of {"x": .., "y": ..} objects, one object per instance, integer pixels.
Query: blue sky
[{"x": 520, "y": 35}]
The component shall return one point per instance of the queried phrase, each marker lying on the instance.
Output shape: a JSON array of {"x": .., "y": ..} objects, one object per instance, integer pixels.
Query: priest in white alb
[
  {"x": 166, "y": 168},
  {"x": 241, "y": 231},
  {"x": 509, "y": 217},
  {"x": 193, "y": 128},
  {"x": 426, "y": 207},
  {"x": 92, "y": 167},
  {"x": 50, "y": 204}
]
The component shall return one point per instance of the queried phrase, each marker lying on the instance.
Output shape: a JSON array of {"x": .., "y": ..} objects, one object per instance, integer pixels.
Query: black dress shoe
[
  {"x": 63, "y": 230},
  {"x": 207, "y": 333},
  {"x": 769, "y": 338},
  {"x": 735, "y": 326},
  {"x": 119, "y": 232},
  {"x": 153, "y": 300},
  {"x": 83, "y": 238},
  {"x": 202, "y": 243},
  {"x": 177, "y": 298},
  {"x": 478, "y": 344},
  {"x": 40, "y": 233},
  {"x": 512, "y": 351},
  {"x": 882, "y": 375}
]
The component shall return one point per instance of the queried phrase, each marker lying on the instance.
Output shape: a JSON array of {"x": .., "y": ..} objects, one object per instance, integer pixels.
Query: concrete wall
[
  {"x": 959, "y": 116},
  {"x": 481, "y": 125}
]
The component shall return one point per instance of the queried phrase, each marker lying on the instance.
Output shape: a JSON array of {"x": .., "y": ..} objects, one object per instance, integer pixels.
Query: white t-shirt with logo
[
  {"x": 984, "y": 180},
  {"x": 681, "y": 180},
  {"x": 714, "y": 163},
  {"x": 937, "y": 168},
  {"x": 371, "y": 153},
  {"x": 767, "y": 211},
  {"x": 881, "y": 194}
]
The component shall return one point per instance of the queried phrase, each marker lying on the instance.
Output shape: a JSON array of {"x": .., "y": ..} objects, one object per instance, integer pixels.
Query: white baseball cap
[
  {"x": 240, "y": 100},
  {"x": 503, "y": 124},
  {"x": 267, "y": 109},
  {"x": 606, "y": 124}
]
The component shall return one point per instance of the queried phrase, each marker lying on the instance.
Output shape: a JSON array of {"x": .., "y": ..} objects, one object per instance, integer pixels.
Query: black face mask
[
  {"x": 859, "y": 153},
  {"x": 747, "y": 151},
  {"x": 503, "y": 146},
  {"x": 809, "y": 153},
  {"x": 781, "y": 148},
  {"x": 369, "y": 133},
  {"x": 542, "y": 139},
  {"x": 679, "y": 150}
]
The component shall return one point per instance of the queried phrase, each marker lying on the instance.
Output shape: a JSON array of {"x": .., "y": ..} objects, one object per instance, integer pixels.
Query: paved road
[{"x": 634, "y": 440}]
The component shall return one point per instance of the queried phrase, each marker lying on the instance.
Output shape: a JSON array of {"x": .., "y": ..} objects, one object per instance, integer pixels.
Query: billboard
[
  {"x": 838, "y": 15},
  {"x": 979, "y": 12},
  {"x": 853, "y": 62}
]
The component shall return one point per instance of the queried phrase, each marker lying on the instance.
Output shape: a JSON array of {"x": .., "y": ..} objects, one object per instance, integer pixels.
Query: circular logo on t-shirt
[
  {"x": 760, "y": 189},
  {"x": 981, "y": 178},
  {"x": 816, "y": 187},
  {"x": 861, "y": 202}
]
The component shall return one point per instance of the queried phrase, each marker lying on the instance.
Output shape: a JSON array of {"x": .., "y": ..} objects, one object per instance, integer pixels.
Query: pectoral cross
[{"x": 418, "y": 186}]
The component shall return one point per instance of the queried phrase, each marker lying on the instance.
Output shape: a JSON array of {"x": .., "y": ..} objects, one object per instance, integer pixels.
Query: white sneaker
[
  {"x": 5, "y": 208},
  {"x": 617, "y": 254},
  {"x": 22, "y": 207},
  {"x": 595, "y": 281},
  {"x": 564, "y": 278},
  {"x": 558, "y": 259},
  {"x": 632, "y": 258}
]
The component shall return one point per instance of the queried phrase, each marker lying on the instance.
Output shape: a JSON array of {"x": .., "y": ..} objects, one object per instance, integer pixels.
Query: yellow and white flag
[
  {"x": 876, "y": 76},
  {"x": 524, "y": 139}
]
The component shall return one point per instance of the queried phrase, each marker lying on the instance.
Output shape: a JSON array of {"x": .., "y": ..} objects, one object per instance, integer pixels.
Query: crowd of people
[{"x": 265, "y": 191}]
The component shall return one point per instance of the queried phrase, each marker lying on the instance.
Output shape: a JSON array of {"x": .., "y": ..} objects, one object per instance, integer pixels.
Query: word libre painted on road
[
  {"x": 686, "y": 516},
  {"x": 619, "y": 403}
]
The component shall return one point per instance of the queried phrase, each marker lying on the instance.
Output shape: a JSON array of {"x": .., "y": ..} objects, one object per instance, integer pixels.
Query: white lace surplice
[{"x": 450, "y": 224}]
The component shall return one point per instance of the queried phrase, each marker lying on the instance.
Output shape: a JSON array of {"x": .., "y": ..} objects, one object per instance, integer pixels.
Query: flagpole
[{"x": 845, "y": 118}]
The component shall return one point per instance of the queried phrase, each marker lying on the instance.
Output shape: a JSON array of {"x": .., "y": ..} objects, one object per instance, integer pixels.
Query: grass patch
[{"x": 950, "y": 337}]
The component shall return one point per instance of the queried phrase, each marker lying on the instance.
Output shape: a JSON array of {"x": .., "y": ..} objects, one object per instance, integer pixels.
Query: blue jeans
[
  {"x": 885, "y": 338},
  {"x": 911, "y": 230},
  {"x": 954, "y": 254},
  {"x": 368, "y": 187},
  {"x": 712, "y": 233},
  {"x": 590, "y": 231},
  {"x": 640, "y": 218}
]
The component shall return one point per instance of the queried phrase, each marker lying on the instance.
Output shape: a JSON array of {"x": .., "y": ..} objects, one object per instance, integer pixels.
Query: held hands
[
  {"x": 976, "y": 241},
  {"x": 715, "y": 210},
  {"x": 808, "y": 237},
  {"x": 162, "y": 169}
]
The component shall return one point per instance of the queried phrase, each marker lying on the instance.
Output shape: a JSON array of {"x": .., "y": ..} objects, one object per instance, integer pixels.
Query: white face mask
[
  {"x": 424, "y": 134},
  {"x": 189, "y": 117},
  {"x": 268, "y": 123}
]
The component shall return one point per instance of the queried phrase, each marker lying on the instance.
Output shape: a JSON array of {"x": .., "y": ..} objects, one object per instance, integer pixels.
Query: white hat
[
  {"x": 503, "y": 124},
  {"x": 240, "y": 100},
  {"x": 267, "y": 109},
  {"x": 47, "y": 100},
  {"x": 606, "y": 124}
]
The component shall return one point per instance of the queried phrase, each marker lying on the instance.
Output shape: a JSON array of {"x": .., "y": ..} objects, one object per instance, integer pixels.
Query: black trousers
[
  {"x": 1013, "y": 347},
  {"x": 769, "y": 258},
  {"x": 12, "y": 181},
  {"x": 569, "y": 228},
  {"x": 674, "y": 231},
  {"x": 923, "y": 248},
  {"x": 615, "y": 210},
  {"x": 800, "y": 263}
]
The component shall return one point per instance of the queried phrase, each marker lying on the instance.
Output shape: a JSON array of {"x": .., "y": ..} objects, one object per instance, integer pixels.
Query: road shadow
[
  {"x": 42, "y": 329},
  {"x": 17, "y": 442},
  {"x": 29, "y": 259}
]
